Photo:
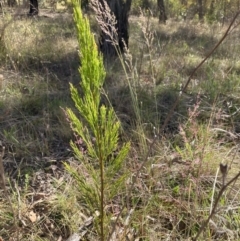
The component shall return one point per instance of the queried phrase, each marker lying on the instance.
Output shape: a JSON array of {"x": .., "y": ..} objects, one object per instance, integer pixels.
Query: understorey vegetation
[{"x": 134, "y": 140}]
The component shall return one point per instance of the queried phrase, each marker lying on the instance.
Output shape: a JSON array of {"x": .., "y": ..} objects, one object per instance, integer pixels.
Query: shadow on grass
[
  {"x": 42, "y": 44},
  {"x": 152, "y": 107},
  {"x": 191, "y": 35}
]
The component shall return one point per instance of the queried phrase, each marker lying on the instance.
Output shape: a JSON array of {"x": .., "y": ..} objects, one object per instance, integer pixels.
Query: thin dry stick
[
  {"x": 170, "y": 115},
  {"x": 230, "y": 165},
  {"x": 214, "y": 188},
  {"x": 224, "y": 187},
  {"x": 2, "y": 177}
]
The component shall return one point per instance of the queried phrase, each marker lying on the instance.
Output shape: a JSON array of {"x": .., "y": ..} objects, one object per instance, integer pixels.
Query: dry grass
[{"x": 173, "y": 194}]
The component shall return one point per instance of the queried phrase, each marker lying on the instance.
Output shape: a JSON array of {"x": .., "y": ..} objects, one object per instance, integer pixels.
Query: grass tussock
[{"x": 172, "y": 180}]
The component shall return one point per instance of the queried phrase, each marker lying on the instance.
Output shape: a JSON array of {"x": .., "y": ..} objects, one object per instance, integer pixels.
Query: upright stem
[
  {"x": 101, "y": 164},
  {"x": 200, "y": 10},
  {"x": 224, "y": 187},
  {"x": 102, "y": 199}
]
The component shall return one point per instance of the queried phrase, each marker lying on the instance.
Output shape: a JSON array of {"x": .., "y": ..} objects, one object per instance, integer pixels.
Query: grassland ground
[{"x": 175, "y": 190}]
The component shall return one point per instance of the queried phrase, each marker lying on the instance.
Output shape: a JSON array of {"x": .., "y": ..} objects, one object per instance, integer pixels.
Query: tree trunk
[
  {"x": 200, "y": 10},
  {"x": 33, "y": 7},
  {"x": 85, "y": 5},
  {"x": 11, "y": 3},
  {"x": 145, "y": 4},
  {"x": 162, "y": 12},
  {"x": 212, "y": 5},
  {"x": 211, "y": 8},
  {"x": 120, "y": 9}
]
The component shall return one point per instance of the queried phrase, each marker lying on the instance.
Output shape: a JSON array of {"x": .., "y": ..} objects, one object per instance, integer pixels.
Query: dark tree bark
[
  {"x": 120, "y": 9},
  {"x": 200, "y": 10},
  {"x": 85, "y": 4},
  {"x": 11, "y": 3},
  {"x": 211, "y": 8},
  {"x": 212, "y": 5},
  {"x": 33, "y": 7},
  {"x": 145, "y": 4},
  {"x": 162, "y": 12}
]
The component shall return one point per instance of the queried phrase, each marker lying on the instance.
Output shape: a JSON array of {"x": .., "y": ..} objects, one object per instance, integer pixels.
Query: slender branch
[
  {"x": 170, "y": 114},
  {"x": 224, "y": 187},
  {"x": 102, "y": 190}
]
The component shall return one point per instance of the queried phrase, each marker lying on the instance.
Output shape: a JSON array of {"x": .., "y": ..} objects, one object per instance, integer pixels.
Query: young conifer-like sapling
[{"x": 101, "y": 177}]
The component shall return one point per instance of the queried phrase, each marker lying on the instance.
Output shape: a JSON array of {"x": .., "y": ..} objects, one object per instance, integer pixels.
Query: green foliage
[
  {"x": 177, "y": 8},
  {"x": 98, "y": 129}
]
